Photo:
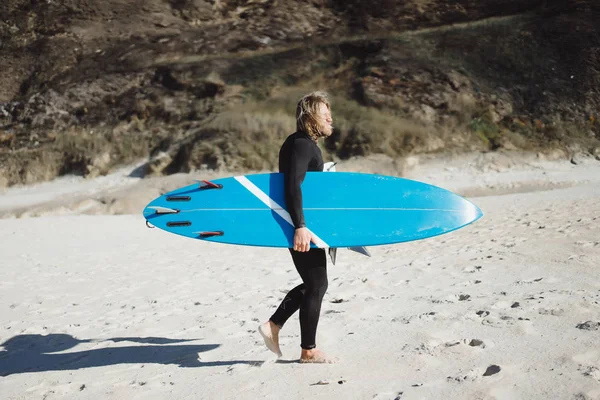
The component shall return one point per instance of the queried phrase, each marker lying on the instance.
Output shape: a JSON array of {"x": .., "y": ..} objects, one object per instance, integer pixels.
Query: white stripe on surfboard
[
  {"x": 262, "y": 196},
  {"x": 325, "y": 209}
]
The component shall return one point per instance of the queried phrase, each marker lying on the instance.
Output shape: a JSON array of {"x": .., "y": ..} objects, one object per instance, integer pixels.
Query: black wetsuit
[{"x": 299, "y": 154}]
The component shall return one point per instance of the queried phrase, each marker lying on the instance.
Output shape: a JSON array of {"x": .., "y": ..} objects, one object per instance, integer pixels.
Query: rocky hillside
[{"x": 187, "y": 84}]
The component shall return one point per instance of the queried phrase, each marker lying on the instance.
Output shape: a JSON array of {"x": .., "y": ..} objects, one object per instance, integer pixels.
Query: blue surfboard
[{"x": 342, "y": 209}]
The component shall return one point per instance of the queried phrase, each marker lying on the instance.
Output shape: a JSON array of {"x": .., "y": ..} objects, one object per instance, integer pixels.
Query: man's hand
[{"x": 302, "y": 239}]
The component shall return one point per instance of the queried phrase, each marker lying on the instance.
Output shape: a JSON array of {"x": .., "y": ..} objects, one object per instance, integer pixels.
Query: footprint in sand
[
  {"x": 500, "y": 321},
  {"x": 478, "y": 343},
  {"x": 583, "y": 396},
  {"x": 589, "y": 364},
  {"x": 506, "y": 305},
  {"x": 461, "y": 377},
  {"x": 474, "y": 374},
  {"x": 591, "y": 371},
  {"x": 528, "y": 282},
  {"x": 557, "y": 312},
  {"x": 388, "y": 396},
  {"x": 435, "y": 347},
  {"x": 430, "y": 316},
  {"x": 242, "y": 367},
  {"x": 473, "y": 269},
  {"x": 468, "y": 283},
  {"x": 587, "y": 243}
]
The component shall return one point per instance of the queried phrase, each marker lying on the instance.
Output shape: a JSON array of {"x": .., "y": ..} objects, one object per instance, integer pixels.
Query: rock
[
  {"x": 159, "y": 163},
  {"x": 426, "y": 114},
  {"x": 492, "y": 370},
  {"x": 378, "y": 72},
  {"x": 506, "y": 143},
  {"x": 100, "y": 165},
  {"x": 476, "y": 343},
  {"x": 552, "y": 155},
  {"x": 7, "y": 139},
  {"x": 589, "y": 326},
  {"x": 503, "y": 108},
  {"x": 494, "y": 116},
  {"x": 410, "y": 162},
  {"x": 581, "y": 158},
  {"x": 457, "y": 80},
  {"x": 3, "y": 179},
  {"x": 3, "y": 111},
  {"x": 210, "y": 87}
]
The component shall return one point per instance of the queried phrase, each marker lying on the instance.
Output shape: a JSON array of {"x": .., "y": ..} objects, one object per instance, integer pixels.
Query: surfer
[{"x": 299, "y": 154}]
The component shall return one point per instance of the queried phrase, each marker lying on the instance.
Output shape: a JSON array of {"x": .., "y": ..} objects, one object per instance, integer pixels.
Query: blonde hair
[{"x": 307, "y": 113}]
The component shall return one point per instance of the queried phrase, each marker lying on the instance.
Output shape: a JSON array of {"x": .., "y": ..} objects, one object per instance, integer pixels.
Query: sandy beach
[{"x": 93, "y": 305}]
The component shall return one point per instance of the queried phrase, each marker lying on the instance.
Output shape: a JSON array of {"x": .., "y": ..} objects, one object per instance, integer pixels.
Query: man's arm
[
  {"x": 299, "y": 159},
  {"x": 300, "y": 156}
]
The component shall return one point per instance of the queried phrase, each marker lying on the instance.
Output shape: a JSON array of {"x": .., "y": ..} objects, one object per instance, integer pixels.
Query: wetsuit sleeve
[{"x": 300, "y": 156}]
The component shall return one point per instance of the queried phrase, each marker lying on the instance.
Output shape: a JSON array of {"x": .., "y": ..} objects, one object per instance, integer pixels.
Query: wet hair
[{"x": 307, "y": 113}]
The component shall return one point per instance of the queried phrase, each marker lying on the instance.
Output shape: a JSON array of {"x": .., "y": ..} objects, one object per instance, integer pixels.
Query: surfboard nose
[{"x": 473, "y": 212}]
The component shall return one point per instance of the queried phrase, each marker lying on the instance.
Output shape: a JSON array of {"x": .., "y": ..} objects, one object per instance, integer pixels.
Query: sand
[{"x": 97, "y": 306}]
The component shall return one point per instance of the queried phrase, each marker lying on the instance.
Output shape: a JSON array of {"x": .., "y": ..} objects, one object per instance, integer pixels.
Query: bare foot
[
  {"x": 270, "y": 334},
  {"x": 315, "y": 356}
]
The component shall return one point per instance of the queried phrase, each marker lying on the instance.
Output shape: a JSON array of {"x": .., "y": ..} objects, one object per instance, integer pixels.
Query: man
[{"x": 299, "y": 154}]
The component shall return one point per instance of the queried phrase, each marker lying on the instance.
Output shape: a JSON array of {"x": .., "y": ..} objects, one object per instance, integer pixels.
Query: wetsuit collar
[{"x": 315, "y": 139}]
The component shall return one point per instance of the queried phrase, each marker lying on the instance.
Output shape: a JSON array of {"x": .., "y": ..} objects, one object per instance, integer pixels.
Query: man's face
[{"x": 325, "y": 121}]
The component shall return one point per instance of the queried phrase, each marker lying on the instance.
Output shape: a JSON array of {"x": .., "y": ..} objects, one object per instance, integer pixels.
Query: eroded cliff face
[{"x": 89, "y": 85}]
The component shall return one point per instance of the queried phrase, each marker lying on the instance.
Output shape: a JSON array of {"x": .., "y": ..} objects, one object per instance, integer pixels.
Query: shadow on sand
[{"x": 37, "y": 353}]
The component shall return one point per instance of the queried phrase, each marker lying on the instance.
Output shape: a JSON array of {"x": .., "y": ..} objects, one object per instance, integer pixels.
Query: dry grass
[
  {"x": 257, "y": 129},
  {"x": 249, "y": 140}
]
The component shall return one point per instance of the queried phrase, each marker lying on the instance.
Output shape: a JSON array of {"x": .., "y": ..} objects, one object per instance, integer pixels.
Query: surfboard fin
[
  {"x": 204, "y": 184},
  {"x": 164, "y": 210},
  {"x": 360, "y": 249},
  {"x": 333, "y": 254}
]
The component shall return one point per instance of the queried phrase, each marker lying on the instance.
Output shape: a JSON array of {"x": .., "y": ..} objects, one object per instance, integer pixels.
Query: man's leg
[
  {"x": 308, "y": 297},
  {"x": 289, "y": 305},
  {"x": 312, "y": 267}
]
